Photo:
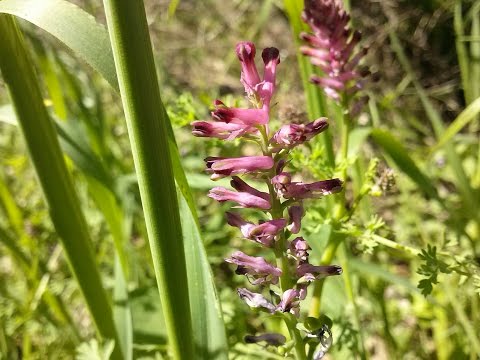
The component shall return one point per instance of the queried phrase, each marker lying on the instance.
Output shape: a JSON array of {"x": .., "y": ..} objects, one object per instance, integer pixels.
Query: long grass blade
[
  {"x": 395, "y": 150},
  {"x": 44, "y": 150},
  {"x": 147, "y": 129},
  {"x": 464, "y": 118}
]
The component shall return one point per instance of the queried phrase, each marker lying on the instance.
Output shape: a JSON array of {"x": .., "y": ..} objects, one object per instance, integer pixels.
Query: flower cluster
[
  {"x": 281, "y": 202},
  {"x": 332, "y": 47}
]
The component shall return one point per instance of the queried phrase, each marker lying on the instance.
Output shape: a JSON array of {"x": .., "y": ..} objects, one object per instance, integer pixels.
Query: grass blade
[
  {"x": 395, "y": 150},
  {"x": 466, "y": 116},
  {"x": 44, "y": 150},
  {"x": 207, "y": 319},
  {"x": 147, "y": 130}
]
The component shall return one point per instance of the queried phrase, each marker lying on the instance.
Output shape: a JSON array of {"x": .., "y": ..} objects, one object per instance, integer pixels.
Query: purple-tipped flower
[
  {"x": 309, "y": 272},
  {"x": 222, "y": 167},
  {"x": 299, "y": 249},
  {"x": 295, "y": 134},
  {"x": 250, "y": 117},
  {"x": 244, "y": 199},
  {"x": 241, "y": 186},
  {"x": 246, "y": 54},
  {"x": 332, "y": 47},
  {"x": 263, "y": 233},
  {"x": 299, "y": 190},
  {"x": 295, "y": 214},
  {"x": 255, "y": 300},
  {"x": 257, "y": 267},
  {"x": 256, "y": 88},
  {"x": 289, "y": 302},
  {"x": 220, "y": 130},
  {"x": 271, "y": 58}
]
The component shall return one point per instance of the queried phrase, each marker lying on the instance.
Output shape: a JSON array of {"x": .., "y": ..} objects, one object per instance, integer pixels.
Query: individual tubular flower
[
  {"x": 221, "y": 167},
  {"x": 299, "y": 190},
  {"x": 295, "y": 134},
  {"x": 332, "y": 47},
  {"x": 257, "y": 267},
  {"x": 248, "y": 117},
  {"x": 299, "y": 249},
  {"x": 240, "y": 185},
  {"x": 271, "y": 58},
  {"x": 244, "y": 199},
  {"x": 220, "y": 130},
  {"x": 309, "y": 272},
  {"x": 295, "y": 213},
  {"x": 290, "y": 302},
  {"x": 263, "y": 233},
  {"x": 255, "y": 300}
]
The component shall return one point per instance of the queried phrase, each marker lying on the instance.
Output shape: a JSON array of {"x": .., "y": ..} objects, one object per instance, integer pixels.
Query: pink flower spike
[
  {"x": 295, "y": 214},
  {"x": 244, "y": 199},
  {"x": 250, "y": 117},
  {"x": 255, "y": 300},
  {"x": 255, "y": 266},
  {"x": 221, "y": 167},
  {"x": 246, "y": 54},
  {"x": 241, "y": 186}
]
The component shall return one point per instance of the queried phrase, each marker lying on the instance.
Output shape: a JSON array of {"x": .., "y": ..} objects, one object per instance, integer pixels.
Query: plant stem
[
  {"x": 291, "y": 323},
  {"x": 147, "y": 129},
  {"x": 44, "y": 149},
  {"x": 339, "y": 212},
  {"x": 327, "y": 258},
  {"x": 351, "y": 296}
]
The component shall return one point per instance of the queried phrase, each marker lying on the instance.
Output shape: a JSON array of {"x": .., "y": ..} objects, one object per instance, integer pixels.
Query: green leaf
[
  {"x": 74, "y": 27},
  {"x": 395, "y": 150},
  {"x": 206, "y": 319},
  {"x": 467, "y": 115}
]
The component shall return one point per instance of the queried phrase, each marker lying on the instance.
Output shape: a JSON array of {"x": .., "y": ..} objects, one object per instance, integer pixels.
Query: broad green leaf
[
  {"x": 122, "y": 313},
  {"x": 397, "y": 152},
  {"x": 208, "y": 319},
  {"x": 74, "y": 27},
  {"x": 467, "y": 115}
]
